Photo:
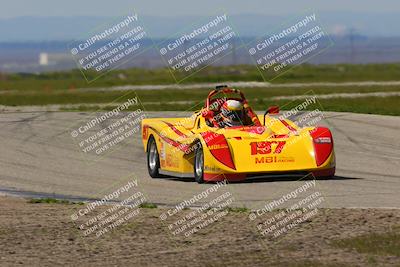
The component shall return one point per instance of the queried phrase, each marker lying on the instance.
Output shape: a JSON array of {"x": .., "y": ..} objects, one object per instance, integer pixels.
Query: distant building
[{"x": 43, "y": 59}]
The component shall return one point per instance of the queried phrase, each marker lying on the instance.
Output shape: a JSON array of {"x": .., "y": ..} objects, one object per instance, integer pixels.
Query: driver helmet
[{"x": 232, "y": 113}]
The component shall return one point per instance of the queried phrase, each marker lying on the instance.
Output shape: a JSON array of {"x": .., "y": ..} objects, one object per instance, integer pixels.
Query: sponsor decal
[
  {"x": 145, "y": 132},
  {"x": 172, "y": 161},
  {"x": 267, "y": 147},
  {"x": 162, "y": 149},
  {"x": 273, "y": 159},
  {"x": 211, "y": 169},
  {"x": 218, "y": 146}
]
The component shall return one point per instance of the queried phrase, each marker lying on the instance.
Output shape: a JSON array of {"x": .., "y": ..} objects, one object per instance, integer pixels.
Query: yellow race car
[{"x": 226, "y": 140}]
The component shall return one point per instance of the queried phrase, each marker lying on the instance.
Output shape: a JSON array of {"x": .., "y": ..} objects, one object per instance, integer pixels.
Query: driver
[{"x": 232, "y": 114}]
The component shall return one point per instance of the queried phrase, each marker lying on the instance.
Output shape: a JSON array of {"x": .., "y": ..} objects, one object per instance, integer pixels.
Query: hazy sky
[{"x": 15, "y": 8}]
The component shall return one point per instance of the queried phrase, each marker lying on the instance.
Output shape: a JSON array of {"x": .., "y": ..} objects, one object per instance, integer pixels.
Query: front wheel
[
  {"x": 153, "y": 160},
  {"x": 199, "y": 164}
]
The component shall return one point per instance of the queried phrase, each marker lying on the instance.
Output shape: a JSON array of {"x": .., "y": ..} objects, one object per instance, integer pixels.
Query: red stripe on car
[
  {"x": 219, "y": 148},
  {"x": 323, "y": 144},
  {"x": 278, "y": 136},
  {"x": 183, "y": 147},
  {"x": 287, "y": 125},
  {"x": 254, "y": 129},
  {"x": 173, "y": 128}
]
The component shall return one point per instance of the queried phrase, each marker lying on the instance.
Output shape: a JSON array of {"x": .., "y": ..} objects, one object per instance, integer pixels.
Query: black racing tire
[
  {"x": 198, "y": 165},
  {"x": 153, "y": 159}
]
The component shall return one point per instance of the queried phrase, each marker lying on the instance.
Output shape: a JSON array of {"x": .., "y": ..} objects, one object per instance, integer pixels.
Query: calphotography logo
[
  {"x": 281, "y": 216},
  {"x": 212, "y": 205},
  {"x": 102, "y": 216},
  {"x": 198, "y": 46},
  {"x": 293, "y": 44},
  {"x": 106, "y": 131},
  {"x": 110, "y": 47}
]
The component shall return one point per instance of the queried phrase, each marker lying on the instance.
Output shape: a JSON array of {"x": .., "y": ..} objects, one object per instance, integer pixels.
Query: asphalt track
[{"x": 39, "y": 157}]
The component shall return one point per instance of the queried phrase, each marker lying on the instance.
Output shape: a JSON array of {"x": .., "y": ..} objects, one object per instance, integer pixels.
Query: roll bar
[{"x": 226, "y": 89}]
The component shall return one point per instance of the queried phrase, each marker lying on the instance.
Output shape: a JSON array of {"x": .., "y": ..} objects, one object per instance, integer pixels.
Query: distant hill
[{"x": 67, "y": 28}]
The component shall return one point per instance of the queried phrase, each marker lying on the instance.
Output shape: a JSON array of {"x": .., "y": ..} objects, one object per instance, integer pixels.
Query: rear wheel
[
  {"x": 199, "y": 164},
  {"x": 153, "y": 159}
]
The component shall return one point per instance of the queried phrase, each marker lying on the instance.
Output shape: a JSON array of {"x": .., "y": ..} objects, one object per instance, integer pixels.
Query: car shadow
[
  {"x": 269, "y": 179},
  {"x": 293, "y": 179}
]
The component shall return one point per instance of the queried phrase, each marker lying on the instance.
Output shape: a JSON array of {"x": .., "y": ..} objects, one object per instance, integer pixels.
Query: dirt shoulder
[{"x": 44, "y": 234}]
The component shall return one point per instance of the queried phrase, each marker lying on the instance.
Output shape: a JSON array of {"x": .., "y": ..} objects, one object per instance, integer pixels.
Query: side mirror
[{"x": 271, "y": 110}]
